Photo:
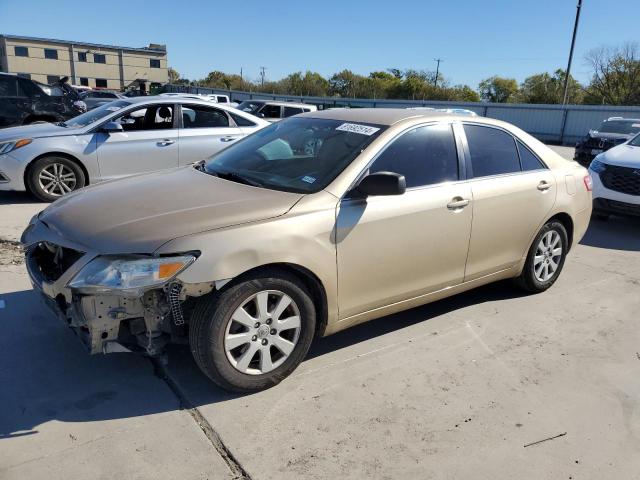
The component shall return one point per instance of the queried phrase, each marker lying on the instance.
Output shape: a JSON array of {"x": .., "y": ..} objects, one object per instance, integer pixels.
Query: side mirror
[
  {"x": 112, "y": 127},
  {"x": 261, "y": 115},
  {"x": 382, "y": 183}
]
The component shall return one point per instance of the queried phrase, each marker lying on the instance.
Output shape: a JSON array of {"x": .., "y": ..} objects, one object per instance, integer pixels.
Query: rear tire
[
  {"x": 247, "y": 357},
  {"x": 49, "y": 178},
  {"x": 545, "y": 258}
]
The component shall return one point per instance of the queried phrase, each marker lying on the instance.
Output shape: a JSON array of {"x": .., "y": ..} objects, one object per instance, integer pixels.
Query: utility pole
[
  {"x": 573, "y": 42},
  {"x": 262, "y": 69},
  {"x": 435, "y": 80}
]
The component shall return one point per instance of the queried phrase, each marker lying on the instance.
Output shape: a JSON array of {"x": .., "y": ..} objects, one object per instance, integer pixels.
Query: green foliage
[
  {"x": 549, "y": 88},
  {"x": 616, "y": 75},
  {"x": 498, "y": 89}
]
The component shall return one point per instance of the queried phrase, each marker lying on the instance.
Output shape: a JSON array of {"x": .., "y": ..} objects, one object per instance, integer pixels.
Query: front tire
[
  {"x": 253, "y": 334},
  {"x": 545, "y": 258},
  {"x": 49, "y": 178}
]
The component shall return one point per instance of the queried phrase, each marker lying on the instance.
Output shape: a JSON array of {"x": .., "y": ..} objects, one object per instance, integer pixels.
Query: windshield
[
  {"x": 620, "y": 126},
  {"x": 96, "y": 114},
  {"x": 300, "y": 155},
  {"x": 250, "y": 107}
]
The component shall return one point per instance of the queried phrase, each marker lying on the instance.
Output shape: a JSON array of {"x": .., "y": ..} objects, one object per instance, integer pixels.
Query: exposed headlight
[
  {"x": 105, "y": 274},
  {"x": 6, "y": 147},
  {"x": 597, "y": 166}
]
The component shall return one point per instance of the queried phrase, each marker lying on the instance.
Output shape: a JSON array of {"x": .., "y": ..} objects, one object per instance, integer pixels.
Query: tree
[
  {"x": 549, "y": 88},
  {"x": 173, "y": 75},
  {"x": 498, "y": 89},
  {"x": 616, "y": 75},
  {"x": 463, "y": 93}
]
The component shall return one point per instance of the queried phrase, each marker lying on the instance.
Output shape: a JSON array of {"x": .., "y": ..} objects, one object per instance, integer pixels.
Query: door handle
[
  {"x": 543, "y": 186},
  {"x": 165, "y": 142},
  {"x": 228, "y": 139},
  {"x": 458, "y": 203}
]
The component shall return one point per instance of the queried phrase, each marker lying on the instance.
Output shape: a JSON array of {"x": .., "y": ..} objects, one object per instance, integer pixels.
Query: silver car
[{"x": 122, "y": 138}]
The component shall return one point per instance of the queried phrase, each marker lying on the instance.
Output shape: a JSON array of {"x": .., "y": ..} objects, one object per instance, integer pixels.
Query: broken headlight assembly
[{"x": 128, "y": 275}]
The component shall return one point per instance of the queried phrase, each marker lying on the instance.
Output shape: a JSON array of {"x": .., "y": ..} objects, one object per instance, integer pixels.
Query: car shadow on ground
[
  {"x": 618, "y": 233},
  {"x": 46, "y": 374},
  {"x": 13, "y": 198}
]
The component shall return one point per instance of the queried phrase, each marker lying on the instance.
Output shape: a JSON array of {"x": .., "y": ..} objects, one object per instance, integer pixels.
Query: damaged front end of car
[{"x": 113, "y": 303}]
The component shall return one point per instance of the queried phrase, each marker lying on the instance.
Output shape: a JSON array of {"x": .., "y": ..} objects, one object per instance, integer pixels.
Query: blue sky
[{"x": 476, "y": 39}]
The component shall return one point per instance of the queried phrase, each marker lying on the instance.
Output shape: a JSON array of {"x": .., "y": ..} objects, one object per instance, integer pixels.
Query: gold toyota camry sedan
[{"x": 302, "y": 229}]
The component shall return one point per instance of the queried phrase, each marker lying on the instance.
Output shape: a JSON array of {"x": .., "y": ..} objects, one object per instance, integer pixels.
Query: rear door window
[
  {"x": 424, "y": 155},
  {"x": 198, "y": 116},
  {"x": 291, "y": 111},
  {"x": 492, "y": 151},
  {"x": 8, "y": 86},
  {"x": 271, "y": 111}
]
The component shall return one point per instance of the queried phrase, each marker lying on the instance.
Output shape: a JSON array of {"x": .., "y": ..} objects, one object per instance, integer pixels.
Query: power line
[
  {"x": 573, "y": 42},
  {"x": 435, "y": 80}
]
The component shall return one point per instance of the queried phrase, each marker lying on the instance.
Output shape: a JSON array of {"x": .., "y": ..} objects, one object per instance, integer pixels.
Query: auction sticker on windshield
[{"x": 355, "y": 128}]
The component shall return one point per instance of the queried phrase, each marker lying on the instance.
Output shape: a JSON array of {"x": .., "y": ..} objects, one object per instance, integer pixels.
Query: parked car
[
  {"x": 124, "y": 137},
  {"x": 255, "y": 252},
  {"x": 95, "y": 98},
  {"x": 274, "y": 111},
  {"x": 23, "y": 101},
  {"x": 616, "y": 180},
  {"x": 613, "y": 131}
]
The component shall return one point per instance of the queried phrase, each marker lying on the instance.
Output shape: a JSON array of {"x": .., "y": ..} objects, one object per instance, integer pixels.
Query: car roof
[
  {"x": 276, "y": 102},
  {"x": 379, "y": 116},
  {"x": 622, "y": 119}
]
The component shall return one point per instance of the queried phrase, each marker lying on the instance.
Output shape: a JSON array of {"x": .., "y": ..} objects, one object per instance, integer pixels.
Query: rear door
[
  {"x": 204, "y": 131},
  {"x": 148, "y": 142},
  {"x": 513, "y": 192}
]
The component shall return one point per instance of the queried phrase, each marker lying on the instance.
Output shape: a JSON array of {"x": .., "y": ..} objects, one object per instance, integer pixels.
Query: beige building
[{"x": 89, "y": 64}]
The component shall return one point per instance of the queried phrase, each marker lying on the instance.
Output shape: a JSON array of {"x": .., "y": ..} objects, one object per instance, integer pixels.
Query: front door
[
  {"x": 148, "y": 142},
  {"x": 205, "y": 131},
  {"x": 393, "y": 248}
]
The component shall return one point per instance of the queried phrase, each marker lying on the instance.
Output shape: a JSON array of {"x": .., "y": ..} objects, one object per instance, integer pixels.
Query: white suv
[{"x": 616, "y": 180}]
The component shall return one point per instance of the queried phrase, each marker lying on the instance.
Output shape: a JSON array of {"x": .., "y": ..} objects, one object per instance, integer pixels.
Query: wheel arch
[
  {"x": 309, "y": 279},
  {"x": 566, "y": 220},
  {"x": 27, "y": 170}
]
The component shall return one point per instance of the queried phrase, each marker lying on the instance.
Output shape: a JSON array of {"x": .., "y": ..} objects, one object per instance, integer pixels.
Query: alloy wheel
[
  {"x": 57, "y": 179},
  {"x": 548, "y": 256},
  {"x": 262, "y": 332}
]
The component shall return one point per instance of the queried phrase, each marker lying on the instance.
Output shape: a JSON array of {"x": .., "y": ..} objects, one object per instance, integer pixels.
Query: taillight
[{"x": 588, "y": 183}]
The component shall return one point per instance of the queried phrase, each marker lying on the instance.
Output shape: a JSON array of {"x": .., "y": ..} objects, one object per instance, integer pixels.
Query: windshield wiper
[
  {"x": 234, "y": 177},
  {"x": 62, "y": 124}
]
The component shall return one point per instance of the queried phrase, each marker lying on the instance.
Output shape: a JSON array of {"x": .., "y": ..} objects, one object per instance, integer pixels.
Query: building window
[
  {"x": 21, "y": 51},
  {"x": 52, "y": 79},
  {"x": 101, "y": 82},
  {"x": 25, "y": 75},
  {"x": 82, "y": 56},
  {"x": 84, "y": 81},
  {"x": 51, "y": 53},
  {"x": 99, "y": 58},
  {"x": 155, "y": 63}
]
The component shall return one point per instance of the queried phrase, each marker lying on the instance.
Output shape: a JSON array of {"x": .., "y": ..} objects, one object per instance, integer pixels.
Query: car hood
[
  {"x": 38, "y": 130},
  {"x": 610, "y": 135},
  {"x": 622, "y": 156},
  {"x": 139, "y": 214}
]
